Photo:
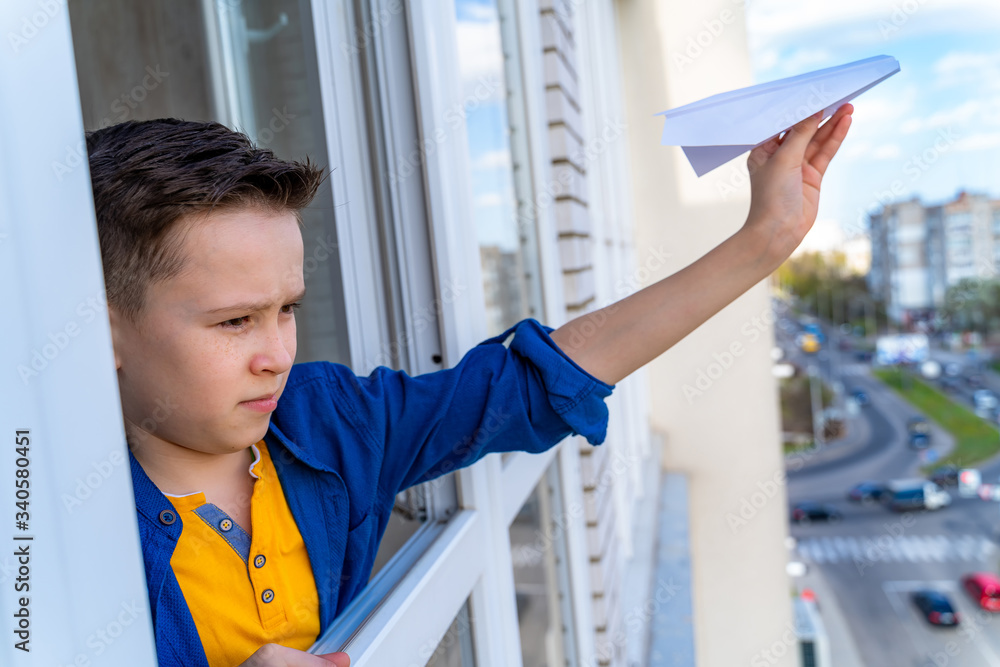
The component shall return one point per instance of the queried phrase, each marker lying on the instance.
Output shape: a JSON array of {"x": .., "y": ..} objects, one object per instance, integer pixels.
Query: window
[
  {"x": 541, "y": 586},
  {"x": 508, "y": 257},
  {"x": 248, "y": 65}
]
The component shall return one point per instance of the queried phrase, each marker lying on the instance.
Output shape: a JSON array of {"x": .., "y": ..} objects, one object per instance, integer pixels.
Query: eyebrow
[{"x": 255, "y": 306}]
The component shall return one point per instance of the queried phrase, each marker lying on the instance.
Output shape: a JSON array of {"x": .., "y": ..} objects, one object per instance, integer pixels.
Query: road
[{"x": 873, "y": 559}]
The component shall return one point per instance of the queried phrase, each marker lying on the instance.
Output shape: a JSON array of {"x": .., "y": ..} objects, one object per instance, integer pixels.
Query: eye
[{"x": 240, "y": 323}]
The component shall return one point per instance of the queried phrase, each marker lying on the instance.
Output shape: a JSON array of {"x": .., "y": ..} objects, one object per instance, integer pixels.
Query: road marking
[{"x": 889, "y": 549}]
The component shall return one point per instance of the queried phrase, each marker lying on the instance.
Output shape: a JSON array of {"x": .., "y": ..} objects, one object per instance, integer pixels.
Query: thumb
[
  {"x": 794, "y": 143},
  {"x": 338, "y": 659}
]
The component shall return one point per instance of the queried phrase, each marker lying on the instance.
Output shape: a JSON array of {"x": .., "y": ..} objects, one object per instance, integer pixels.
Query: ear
[{"x": 117, "y": 334}]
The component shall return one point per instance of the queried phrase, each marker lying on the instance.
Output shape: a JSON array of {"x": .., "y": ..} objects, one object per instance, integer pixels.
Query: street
[{"x": 874, "y": 558}]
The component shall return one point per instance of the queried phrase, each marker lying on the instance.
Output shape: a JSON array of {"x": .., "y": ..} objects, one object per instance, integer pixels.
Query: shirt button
[
  {"x": 259, "y": 561},
  {"x": 226, "y": 525},
  {"x": 167, "y": 517},
  {"x": 267, "y": 595}
]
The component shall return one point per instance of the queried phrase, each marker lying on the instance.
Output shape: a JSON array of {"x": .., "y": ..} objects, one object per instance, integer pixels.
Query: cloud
[
  {"x": 770, "y": 20},
  {"x": 480, "y": 56},
  {"x": 489, "y": 200},
  {"x": 498, "y": 159},
  {"x": 886, "y": 152},
  {"x": 979, "y": 141}
]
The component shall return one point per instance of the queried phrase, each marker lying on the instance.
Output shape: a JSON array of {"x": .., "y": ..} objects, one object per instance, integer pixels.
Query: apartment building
[
  {"x": 490, "y": 160},
  {"x": 919, "y": 251}
]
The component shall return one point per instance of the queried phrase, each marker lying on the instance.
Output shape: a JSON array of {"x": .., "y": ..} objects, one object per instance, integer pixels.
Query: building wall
[{"x": 726, "y": 440}]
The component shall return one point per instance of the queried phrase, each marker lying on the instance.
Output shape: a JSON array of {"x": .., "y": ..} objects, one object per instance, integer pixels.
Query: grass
[{"x": 975, "y": 439}]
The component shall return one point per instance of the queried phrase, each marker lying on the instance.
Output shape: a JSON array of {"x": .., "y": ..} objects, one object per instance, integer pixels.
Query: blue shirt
[{"x": 343, "y": 446}]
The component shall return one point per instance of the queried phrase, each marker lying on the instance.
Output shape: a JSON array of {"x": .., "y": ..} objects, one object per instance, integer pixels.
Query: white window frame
[
  {"x": 401, "y": 621},
  {"x": 52, "y": 285}
]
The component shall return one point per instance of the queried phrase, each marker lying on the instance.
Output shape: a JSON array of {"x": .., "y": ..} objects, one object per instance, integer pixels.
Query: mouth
[{"x": 265, "y": 397}]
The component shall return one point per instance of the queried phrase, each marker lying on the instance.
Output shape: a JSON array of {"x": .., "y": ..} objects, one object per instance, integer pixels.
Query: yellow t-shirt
[{"x": 246, "y": 591}]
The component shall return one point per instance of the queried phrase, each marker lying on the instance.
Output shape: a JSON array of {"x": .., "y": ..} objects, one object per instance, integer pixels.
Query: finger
[
  {"x": 762, "y": 153},
  {"x": 793, "y": 145},
  {"x": 821, "y": 160},
  {"x": 826, "y": 129},
  {"x": 338, "y": 659}
]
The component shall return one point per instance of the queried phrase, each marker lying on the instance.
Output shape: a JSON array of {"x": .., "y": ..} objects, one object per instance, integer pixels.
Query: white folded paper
[{"x": 716, "y": 129}]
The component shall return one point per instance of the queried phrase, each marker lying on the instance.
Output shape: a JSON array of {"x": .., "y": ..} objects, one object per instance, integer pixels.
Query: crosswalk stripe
[{"x": 889, "y": 549}]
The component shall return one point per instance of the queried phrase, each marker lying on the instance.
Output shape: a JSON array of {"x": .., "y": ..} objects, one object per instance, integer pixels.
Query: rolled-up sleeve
[{"x": 517, "y": 391}]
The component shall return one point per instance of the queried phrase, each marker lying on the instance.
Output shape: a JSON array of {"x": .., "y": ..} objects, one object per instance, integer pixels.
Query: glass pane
[
  {"x": 455, "y": 648},
  {"x": 247, "y": 64},
  {"x": 541, "y": 580},
  {"x": 507, "y": 259}
]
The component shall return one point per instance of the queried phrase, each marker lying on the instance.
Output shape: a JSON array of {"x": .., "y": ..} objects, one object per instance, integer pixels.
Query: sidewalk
[{"x": 843, "y": 649}]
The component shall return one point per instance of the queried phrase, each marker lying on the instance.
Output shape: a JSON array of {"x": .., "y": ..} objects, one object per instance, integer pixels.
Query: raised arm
[{"x": 785, "y": 177}]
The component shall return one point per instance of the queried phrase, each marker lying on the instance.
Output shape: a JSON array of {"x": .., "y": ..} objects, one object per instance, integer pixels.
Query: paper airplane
[{"x": 716, "y": 129}]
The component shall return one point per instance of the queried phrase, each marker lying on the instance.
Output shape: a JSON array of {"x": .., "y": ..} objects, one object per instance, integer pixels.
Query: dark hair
[{"x": 147, "y": 175}]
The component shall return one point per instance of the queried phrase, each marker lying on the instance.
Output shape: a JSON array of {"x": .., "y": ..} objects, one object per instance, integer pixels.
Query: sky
[
  {"x": 484, "y": 101},
  {"x": 929, "y": 131}
]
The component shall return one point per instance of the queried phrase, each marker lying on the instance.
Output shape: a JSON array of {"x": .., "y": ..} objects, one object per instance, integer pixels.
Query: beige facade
[{"x": 725, "y": 437}]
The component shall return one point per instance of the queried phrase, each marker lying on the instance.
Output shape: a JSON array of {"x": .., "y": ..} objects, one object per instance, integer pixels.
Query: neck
[{"x": 178, "y": 471}]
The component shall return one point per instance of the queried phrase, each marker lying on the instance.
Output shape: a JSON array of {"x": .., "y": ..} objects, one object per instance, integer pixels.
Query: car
[
  {"x": 936, "y": 607},
  {"x": 918, "y": 424},
  {"x": 946, "y": 475},
  {"x": 985, "y": 399},
  {"x": 860, "y": 396},
  {"x": 867, "y": 491},
  {"x": 984, "y": 587},
  {"x": 916, "y": 493},
  {"x": 920, "y": 440},
  {"x": 975, "y": 380},
  {"x": 806, "y": 512},
  {"x": 953, "y": 369},
  {"x": 949, "y": 383}
]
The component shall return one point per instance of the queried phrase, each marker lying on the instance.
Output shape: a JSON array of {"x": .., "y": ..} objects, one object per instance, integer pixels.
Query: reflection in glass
[
  {"x": 455, "y": 649},
  {"x": 541, "y": 580},
  {"x": 506, "y": 264}
]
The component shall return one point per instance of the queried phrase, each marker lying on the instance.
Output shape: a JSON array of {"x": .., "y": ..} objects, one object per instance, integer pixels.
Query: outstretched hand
[{"x": 785, "y": 177}]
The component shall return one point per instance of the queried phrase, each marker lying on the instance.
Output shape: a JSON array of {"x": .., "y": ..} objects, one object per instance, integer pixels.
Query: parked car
[
  {"x": 920, "y": 440},
  {"x": 946, "y": 475},
  {"x": 985, "y": 399},
  {"x": 806, "y": 512},
  {"x": 866, "y": 492},
  {"x": 860, "y": 396},
  {"x": 974, "y": 380},
  {"x": 906, "y": 494},
  {"x": 984, "y": 587},
  {"x": 936, "y": 607},
  {"x": 918, "y": 424},
  {"x": 948, "y": 383}
]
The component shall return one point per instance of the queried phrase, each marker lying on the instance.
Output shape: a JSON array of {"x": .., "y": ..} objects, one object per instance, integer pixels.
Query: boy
[{"x": 263, "y": 493}]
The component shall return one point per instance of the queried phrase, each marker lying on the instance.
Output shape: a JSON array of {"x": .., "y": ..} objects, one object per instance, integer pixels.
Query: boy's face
[{"x": 220, "y": 333}]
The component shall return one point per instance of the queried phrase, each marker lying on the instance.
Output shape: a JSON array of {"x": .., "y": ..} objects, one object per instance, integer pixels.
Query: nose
[{"x": 275, "y": 353}]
